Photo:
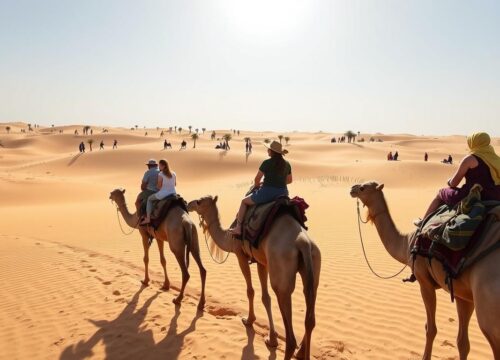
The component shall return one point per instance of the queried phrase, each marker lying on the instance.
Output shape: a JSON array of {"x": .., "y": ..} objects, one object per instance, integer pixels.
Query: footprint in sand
[
  {"x": 116, "y": 292},
  {"x": 106, "y": 282},
  {"x": 93, "y": 270},
  {"x": 221, "y": 313}
]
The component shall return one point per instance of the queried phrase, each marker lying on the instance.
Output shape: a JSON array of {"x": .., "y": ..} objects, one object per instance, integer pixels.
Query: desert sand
[{"x": 71, "y": 279}]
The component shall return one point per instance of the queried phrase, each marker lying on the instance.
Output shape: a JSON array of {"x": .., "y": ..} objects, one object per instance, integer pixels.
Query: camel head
[
  {"x": 203, "y": 205},
  {"x": 368, "y": 192},
  {"x": 117, "y": 195}
]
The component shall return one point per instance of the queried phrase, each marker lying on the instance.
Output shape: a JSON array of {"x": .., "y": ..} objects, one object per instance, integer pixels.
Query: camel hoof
[
  {"x": 272, "y": 343},
  {"x": 165, "y": 287},
  {"x": 300, "y": 354},
  {"x": 177, "y": 301},
  {"x": 247, "y": 322},
  {"x": 145, "y": 282}
]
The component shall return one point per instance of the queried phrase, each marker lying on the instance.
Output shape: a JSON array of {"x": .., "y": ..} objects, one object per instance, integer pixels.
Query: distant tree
[
  {"x": 287, "y": 139},
  {"x": 227, "y": 137},
  {"x": 132, "y": 128},
  {"x": 267, "y": 141},
  {"x": 136, "y": 127},
  {"x": 90, "y": 142},
  {"x": 203, "y": 129},
  {"x": 8, "y": 129},
  {"x": 190, "y": 128},
  {"x": 194, "y": 137},
  {"x": 157, "y": 128},
  {"x": 197, "y": 130},
  {"x": 280, "y": 137},
  {"x": 175, "y": 128},
  {"x": 180, "y": 130},
  {"x": 350, "y": 135}
]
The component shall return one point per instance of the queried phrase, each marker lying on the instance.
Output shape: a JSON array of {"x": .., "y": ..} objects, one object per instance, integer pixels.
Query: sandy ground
[{"x": 71, "y": 279}]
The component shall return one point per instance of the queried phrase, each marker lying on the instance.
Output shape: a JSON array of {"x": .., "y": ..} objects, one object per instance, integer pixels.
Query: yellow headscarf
[{"x": 479, "y": 145}]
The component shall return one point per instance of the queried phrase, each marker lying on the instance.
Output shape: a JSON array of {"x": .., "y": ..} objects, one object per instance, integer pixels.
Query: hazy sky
[{"x": 421, "y": 67}]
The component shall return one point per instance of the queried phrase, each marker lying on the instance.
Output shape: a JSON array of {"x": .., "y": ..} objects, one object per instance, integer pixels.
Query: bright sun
[{"x": 271, "y": 20}]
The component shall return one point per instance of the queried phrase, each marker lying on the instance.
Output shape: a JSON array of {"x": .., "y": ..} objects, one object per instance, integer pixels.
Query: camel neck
[
  {"x": 396, "y": 243},
  {"x": 222, "y": 237},
  {"x": 132, "y": 220}
]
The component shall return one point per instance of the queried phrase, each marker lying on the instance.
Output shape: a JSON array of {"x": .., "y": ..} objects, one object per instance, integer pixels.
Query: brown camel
[
  {"x": 477, "y": 287},
  {"x": 180, "y": 233},
  {"x": 284, "y": 251}
]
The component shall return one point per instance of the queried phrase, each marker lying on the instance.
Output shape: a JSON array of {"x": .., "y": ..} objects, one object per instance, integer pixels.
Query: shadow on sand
[
  {"x": 74, "y": 158},
  {"x": 126, "y": 337}
]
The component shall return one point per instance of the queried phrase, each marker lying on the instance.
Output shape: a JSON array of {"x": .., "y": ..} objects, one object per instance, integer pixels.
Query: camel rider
[
  {"x": 277, "y": 174},
  {"x": 148, "y": 185}
]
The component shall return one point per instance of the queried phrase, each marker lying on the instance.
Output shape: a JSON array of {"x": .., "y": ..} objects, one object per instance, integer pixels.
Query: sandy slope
[{"x": 71, "y": 278}]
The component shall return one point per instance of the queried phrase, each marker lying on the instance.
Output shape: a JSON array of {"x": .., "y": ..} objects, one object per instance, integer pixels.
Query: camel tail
[{"x": 188, "y": 236}]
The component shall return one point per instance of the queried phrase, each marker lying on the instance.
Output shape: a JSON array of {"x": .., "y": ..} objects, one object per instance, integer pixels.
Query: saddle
[
  {"x": 162, "y": 207},
  {"x": 483, "y": 242},
  {"x": 259, "y": 218}
]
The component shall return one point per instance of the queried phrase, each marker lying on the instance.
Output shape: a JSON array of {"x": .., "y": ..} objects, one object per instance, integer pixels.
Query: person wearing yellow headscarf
[
  {"x": 480, "y": 146},
  {"x": 481, "y": 166}
]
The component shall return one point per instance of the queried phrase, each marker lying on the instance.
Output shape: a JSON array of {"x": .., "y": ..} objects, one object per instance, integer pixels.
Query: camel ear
[
  {"x": 380, "y": 187},
  {"x": 123, "y": 191},
  {"x": 216, "y": 198}
]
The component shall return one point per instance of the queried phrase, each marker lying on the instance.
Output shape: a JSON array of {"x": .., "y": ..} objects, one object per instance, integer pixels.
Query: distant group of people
[
  {"x": 248, "y": 146},
  {"x": 224, "y": 145},
  {"x": 392, "y": 157},
  {"x": 81, "y": 146},
  {"x": 340, "y": 139}
]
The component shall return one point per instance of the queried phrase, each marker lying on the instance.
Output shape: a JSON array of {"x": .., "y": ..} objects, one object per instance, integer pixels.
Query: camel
[
  {"x": 284, "y": 251},
  {"x": 180, "y": 233},
  {"x": 477, "y": 287}
]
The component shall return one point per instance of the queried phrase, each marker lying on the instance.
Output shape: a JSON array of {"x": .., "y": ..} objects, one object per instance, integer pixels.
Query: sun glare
[{"x": 267, "y": 21}]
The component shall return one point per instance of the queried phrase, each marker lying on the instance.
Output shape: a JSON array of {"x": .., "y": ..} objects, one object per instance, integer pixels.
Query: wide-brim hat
[
  {"x": 276, "y": 147},
  {"x": 152, "y": 162}
]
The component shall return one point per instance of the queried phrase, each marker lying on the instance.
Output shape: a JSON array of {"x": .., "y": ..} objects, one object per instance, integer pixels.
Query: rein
[
  {"x": 120, "y": 223},
  {"x": 204, "y": 226},
  {"x": 363, "y": 246}
]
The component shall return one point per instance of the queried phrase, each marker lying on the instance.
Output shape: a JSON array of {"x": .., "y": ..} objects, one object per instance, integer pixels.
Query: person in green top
[{"x": 277, "y": 174}]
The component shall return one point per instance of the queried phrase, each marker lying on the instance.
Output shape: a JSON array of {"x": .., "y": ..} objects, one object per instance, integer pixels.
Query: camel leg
[
  {"x": 429, "y": 297},
  {"x": 145, "y": 245},
  {"x": 305, "y": 345},
  {"x": 185, "y": 276},
  {"x": 464, "y": 311},
  {"x": 486, "y": 295},
  {"x": 272, "y": 340},
  {"x": 163, "y": 261},
  {"x": 285, "y": 304},
  {"x": 195, "y": 251},
  {"x": 245, "y": 270}
]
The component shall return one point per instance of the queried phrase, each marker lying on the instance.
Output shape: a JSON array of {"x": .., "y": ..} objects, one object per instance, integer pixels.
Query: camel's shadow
[{"x": 125, "y": 337}]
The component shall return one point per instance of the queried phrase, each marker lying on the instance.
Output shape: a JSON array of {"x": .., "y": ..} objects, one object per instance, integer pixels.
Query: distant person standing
[
  {"x": 426, "y": 157},
  {"x": 82, "y": 147},
  {"x": 389, "y": 156},
  {"x": 165, "y": 144},
  {"x": 101, "y": 145},
  {"x": 395, "y": 157},
  {"x": 450, "y": 159},
  {"x": 250, "y": 146},
  {"x": 115, "y": 144}
]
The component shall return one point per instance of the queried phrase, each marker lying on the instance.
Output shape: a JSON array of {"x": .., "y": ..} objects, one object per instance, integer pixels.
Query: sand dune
[{"x": 71, "y": 278}]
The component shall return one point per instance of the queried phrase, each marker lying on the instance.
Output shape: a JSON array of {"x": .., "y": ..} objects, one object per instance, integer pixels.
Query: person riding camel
[
  {"x": 167, "y": 181},
  {"x": 148, "y": 185},
  {"x": 481, "y": 166},
  {"x": 277, "y": 174}
]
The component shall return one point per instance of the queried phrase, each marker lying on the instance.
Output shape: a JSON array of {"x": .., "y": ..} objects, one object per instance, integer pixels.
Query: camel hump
[
  {"x": 163, "y": 207},
  {"x": 260, "y": 218}
]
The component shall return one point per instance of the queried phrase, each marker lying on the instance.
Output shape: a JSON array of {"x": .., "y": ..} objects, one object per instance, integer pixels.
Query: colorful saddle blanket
[
  {"x": 259, "y": 218},
  {"x": 162, "y": 207},
  {"x": 483, "y": 241}
]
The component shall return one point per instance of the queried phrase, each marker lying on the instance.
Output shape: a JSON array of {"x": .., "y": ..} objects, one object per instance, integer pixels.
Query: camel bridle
[
  {"x": 205, "y": 228},
  {"x": 363, "y": 245}
]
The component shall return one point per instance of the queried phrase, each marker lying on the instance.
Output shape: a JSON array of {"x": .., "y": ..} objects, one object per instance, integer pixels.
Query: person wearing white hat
[
  {"x": 148, "y": 185},
  {"x": 277, "y": 174}
]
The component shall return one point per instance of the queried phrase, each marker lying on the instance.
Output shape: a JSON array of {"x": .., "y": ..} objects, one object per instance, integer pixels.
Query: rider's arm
[
  {"x": 144, "y": 186},
  {"x": 467, "y": 163},
  {"x": 289, "y": 179},
  {"x": 258, "y": 178}
]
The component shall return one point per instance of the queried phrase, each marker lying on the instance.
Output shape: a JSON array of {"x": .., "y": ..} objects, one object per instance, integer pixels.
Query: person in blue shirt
[{"x": 148, "y": 185}]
